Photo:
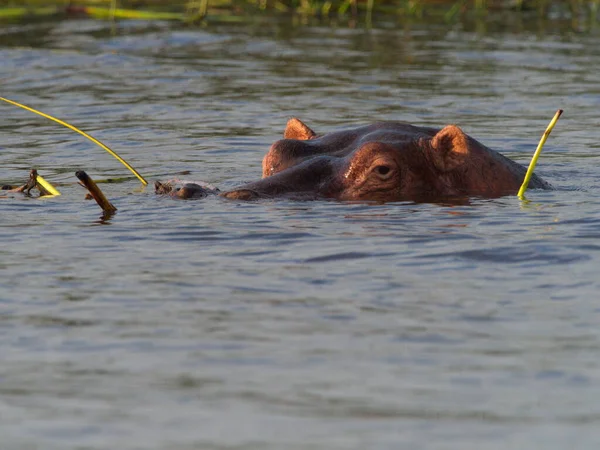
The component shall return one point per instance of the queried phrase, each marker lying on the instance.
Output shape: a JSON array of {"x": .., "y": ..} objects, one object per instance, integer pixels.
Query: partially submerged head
[{"x": 385, "y": 161}]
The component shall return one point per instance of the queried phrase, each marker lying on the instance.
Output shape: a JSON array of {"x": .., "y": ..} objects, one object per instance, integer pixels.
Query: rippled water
[{"x": 280, "y": 324}]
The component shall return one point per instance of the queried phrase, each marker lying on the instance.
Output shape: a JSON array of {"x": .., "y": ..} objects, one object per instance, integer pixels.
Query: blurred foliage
[{"x": 194, "y": 11}]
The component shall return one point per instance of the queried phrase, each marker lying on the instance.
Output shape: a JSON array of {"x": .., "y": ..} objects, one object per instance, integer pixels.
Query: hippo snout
[
  {"x": 308, "y": 180},
  {"x": 241, "y": 194}
]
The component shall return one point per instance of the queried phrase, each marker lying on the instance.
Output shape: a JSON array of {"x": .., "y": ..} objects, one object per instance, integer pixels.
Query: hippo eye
[{"x": 382, "y": 170}]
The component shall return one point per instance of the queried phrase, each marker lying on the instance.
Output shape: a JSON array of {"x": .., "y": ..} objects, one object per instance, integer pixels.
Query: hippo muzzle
[{"x": 311, "y": 179}]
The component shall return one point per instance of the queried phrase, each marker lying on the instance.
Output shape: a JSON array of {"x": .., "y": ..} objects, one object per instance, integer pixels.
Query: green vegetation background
[{"x": 327, "y": 10}]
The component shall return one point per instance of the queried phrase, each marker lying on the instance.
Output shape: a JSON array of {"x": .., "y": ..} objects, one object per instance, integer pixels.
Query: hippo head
[{"x": 385, "y": 161}]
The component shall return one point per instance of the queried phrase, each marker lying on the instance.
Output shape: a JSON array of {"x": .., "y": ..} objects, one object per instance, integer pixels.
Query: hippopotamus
[{"x": 381, "y": 162}]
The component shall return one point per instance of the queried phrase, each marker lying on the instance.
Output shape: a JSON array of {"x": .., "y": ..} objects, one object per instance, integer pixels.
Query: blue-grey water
[{"x": 219, "y": 324}]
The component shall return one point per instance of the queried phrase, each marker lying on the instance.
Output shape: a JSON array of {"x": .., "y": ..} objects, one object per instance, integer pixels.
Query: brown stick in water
[
  {"x": 95, "y": 192},
  {"x": 8, "y": 189}
]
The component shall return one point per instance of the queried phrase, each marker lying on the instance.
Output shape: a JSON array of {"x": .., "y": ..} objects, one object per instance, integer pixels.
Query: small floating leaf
[{"x": 46, "y": 185}]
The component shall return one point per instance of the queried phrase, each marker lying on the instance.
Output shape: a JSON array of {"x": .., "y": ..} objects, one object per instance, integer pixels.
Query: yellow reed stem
[
  {"x": 77, "y": 130},
  {"x": 537, "y": 153}
]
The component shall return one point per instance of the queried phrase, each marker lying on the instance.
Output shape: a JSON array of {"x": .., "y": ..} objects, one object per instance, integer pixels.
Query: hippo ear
[
  {"x": 449, "y": 148},
  {"x": 295, "y": 129}
]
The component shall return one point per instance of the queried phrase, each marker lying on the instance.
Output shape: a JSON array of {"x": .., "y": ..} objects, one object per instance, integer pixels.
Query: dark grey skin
[{"x": 383, "y": 162}]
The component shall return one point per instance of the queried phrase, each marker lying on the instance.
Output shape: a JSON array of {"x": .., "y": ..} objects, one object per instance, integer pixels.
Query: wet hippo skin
[{"x": 385, "y": 161}]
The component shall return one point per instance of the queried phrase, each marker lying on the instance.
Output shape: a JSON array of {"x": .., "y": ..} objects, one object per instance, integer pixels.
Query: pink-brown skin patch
[{"x": 385, "y": 161}]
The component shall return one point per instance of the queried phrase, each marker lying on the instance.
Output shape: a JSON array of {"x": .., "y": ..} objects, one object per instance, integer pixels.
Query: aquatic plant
[
  {"x": 77, "y": 130},
  {"x": 35, "y": 181},
  {"x": 537, "y": 153}
]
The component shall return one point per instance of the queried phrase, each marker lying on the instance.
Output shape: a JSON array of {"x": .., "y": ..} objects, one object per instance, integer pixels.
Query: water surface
[{"x": 218, "y": 324}]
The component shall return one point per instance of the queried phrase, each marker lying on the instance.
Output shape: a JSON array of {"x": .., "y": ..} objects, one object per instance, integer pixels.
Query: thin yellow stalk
[
  {"x": 77, "y": 130},
  {"x": 537, "y": 153}
]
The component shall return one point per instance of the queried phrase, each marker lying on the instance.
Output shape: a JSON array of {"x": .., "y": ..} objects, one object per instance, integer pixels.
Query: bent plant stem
[
  {"x": 95, "y": 192},
  {"x": 77, "y": 130},
  {"x": 537, "y": 153}
]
